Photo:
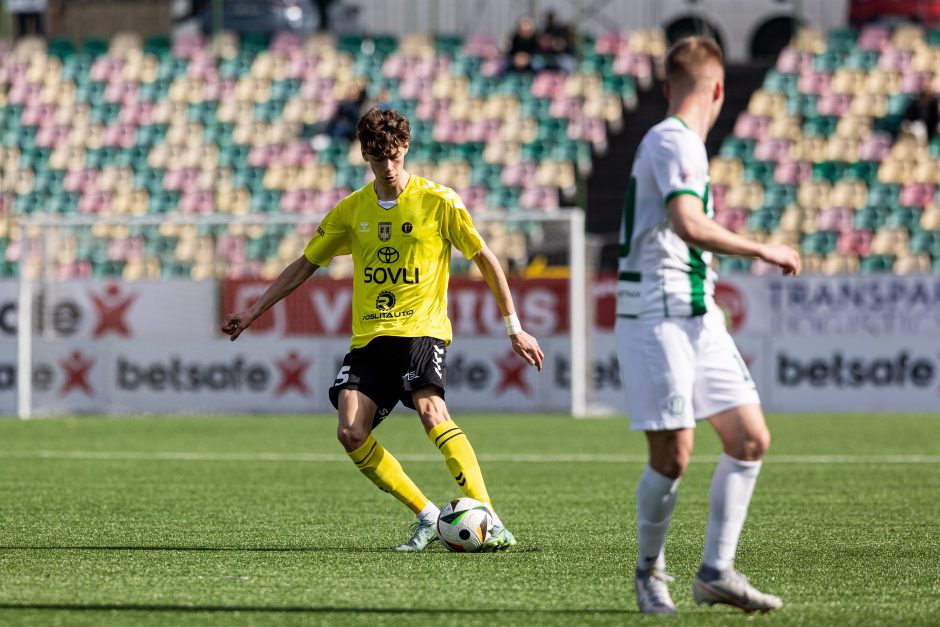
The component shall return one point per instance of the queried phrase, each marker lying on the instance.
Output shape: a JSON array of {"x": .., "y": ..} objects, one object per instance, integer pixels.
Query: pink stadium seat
[
  {"x": 917, "y": 194},
  {"x": 544, "y": 198},
  {"x": 858, "y": 242},
  {"x": 285, "y": 41},
  {"x": 814, "y": 83},
  {"x": 518, "y": 174},
  {"x": 789, "y": 61},
  {"x": 548, "y": 84},
  {"x": 834, "y": 104},
  {"x": 733, "y": 219},
  {"x": 482, "y": 46},
  {"x": 834, "y": 219},
  {"x": 892, "y": 59},
  {"x": 762, "y": 268},
  {"x": 791, "y": 172},
  {"x": 873, "y": 37},
  {"x": 610, "y": 43},
  {"x": 474, "y": 197},
  {"x": 771, "y": 149},
  {"x": 913, "y": 82},
  {"x": 875, "y": 147},
  {"x": 565, "y": 107},
  {"x": 719, "y": 192}
]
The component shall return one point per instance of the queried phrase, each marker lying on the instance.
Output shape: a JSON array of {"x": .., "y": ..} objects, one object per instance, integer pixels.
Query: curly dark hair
[{"x": 383, "y": 132}]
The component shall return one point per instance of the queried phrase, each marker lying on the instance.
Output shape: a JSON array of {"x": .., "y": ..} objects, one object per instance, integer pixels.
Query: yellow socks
[
  {"x": 460, "y": 459},
  {"x": 384, "y": 471}
]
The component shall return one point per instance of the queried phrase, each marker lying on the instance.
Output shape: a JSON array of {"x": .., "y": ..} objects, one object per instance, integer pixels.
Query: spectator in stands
[
  {"x": 349, "y": 109},
  {"x": 556, "y": 44},
  {"x": 922, "y": 116},
  {"x": 523, "y": 55},
  {"x": 343, "y": 123}
]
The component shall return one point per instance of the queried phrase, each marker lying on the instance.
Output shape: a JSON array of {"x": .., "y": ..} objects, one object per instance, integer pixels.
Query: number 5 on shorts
[{"x": 342, "y": 376}]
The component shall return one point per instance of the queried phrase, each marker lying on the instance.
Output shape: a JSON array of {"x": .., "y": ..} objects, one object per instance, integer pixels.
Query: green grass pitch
[{"x": 241, "y": 520}]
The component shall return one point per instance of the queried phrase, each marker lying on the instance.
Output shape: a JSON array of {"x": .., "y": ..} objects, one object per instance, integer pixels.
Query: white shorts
[{"x": 679, "y": 370}]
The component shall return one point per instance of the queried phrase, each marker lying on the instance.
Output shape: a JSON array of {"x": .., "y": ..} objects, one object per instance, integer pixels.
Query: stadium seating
[
  {"x": 820, "y": 158},
  {"x": 159, "y": 127}
]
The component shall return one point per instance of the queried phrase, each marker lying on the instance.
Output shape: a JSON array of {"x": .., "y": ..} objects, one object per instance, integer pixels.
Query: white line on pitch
[{"x": 523, "y": 458}]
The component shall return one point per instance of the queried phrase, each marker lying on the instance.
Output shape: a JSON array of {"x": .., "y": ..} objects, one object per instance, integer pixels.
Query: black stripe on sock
[
  {"x": 456, "y": 435},
  {"x": 367, "y": 455},
  {"x": 443, "y": 434}
]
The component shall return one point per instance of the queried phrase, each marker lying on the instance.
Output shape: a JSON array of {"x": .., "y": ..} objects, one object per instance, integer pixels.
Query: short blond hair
[{"x": 689, "y": 56}]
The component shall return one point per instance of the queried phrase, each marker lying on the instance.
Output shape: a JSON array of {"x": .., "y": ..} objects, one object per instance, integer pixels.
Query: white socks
[
  {"x": 655, "y": 500},
  {"x": 429, "y": 514},
  {"x": 732, "y": 487}
]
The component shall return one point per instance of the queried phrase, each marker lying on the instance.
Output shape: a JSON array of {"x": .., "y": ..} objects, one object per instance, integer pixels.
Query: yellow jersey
[{"x": 401, "y": 257}]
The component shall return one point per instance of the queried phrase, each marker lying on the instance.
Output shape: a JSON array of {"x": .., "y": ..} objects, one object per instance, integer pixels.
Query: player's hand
[
  {"x": 528, "y": 348},
  {"x": 784, "y": 257},
  {"x": 234, "y": 324}
]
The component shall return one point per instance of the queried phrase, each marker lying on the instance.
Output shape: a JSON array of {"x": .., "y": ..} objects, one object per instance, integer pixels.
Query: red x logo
[
  {"x": 76, "y": 369},
  {"x": 511, "y": 372},
  {"x": 112, "y": 310},
  {"x": 292, "y": 374}
]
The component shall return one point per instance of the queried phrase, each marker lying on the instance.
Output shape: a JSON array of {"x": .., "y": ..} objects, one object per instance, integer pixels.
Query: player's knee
[
  {"x": 754, "y": 447},
  {"x": 351, "y": 436},
  {"x": 430, "y": 417},
  {"x": 672, "y": 465}
]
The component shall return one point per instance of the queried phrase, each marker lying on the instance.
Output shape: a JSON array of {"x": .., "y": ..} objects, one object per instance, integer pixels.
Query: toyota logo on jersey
[{"x": 387, "y": 254}]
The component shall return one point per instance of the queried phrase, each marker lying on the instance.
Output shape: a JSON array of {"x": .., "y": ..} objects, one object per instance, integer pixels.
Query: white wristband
[{"x": 513, "y": 325}]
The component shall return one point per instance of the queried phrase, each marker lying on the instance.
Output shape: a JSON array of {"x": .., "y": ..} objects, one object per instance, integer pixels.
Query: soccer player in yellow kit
[{"x": 400, "y": 230}]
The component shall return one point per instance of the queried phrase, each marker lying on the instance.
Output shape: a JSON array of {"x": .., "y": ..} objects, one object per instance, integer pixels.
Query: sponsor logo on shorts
[
  {"x": 675, "y": 404},
  {"x": 410, "y": 376},
  {"x": 385, "y": 231},
  {"x": 387, "y": 254}
]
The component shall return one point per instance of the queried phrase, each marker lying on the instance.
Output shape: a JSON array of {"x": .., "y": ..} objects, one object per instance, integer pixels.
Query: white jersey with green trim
[{"x": 659, "y": 275}]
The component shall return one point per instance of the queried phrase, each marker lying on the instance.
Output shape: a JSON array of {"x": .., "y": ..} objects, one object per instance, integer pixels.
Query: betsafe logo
[{"x": 838, "y": 370}]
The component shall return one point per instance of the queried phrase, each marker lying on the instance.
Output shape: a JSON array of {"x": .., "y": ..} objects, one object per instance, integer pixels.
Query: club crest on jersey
[{"x": 385, "y": 231}]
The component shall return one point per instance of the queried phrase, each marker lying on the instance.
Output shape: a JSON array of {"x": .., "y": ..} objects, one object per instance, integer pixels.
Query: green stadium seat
[
  {"x": 737, "y": 148},
  {"x": 734, "y": 265},
  {"x": 904, "y": 217},
  {"x": 766, "y": 219},
  {"x": 819, "y": 243},
  {"x": 870, "y": 218},
  {"x": 759, "y": 172},
  {"x": 926, "y": 242},
  {"x": 820, "y": 125},
  {"x": 877, "y": 263},
  {"x": 779, "y": 196},
  {"x": 831, "y": 171},
  {"x": 862, "y": 171}
]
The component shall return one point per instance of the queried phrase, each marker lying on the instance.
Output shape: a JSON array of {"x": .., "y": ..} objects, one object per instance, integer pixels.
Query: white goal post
[{"x": 555, "y": 236}]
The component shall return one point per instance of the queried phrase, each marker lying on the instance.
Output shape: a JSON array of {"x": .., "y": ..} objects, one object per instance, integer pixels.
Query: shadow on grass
[
  {"x": 260, "y": 549},
  {"x": 302, "y": 609}
]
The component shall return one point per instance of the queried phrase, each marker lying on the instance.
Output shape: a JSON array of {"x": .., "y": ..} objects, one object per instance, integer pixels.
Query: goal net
[{"x": 120, "y": 314}]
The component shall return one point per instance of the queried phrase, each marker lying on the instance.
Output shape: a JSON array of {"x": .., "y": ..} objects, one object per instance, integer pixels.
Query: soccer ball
[{"x": 464, "y": 525}]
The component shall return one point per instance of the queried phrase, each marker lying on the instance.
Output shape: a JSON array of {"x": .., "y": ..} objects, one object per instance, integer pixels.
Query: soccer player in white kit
[{"x": 678, "y": 362}]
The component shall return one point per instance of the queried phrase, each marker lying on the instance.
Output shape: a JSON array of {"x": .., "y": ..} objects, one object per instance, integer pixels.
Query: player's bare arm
[
  {"x": 694, "y": 227},
  {"x": 523, "y": 343},
  {"x": 286, "y": 282}
]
